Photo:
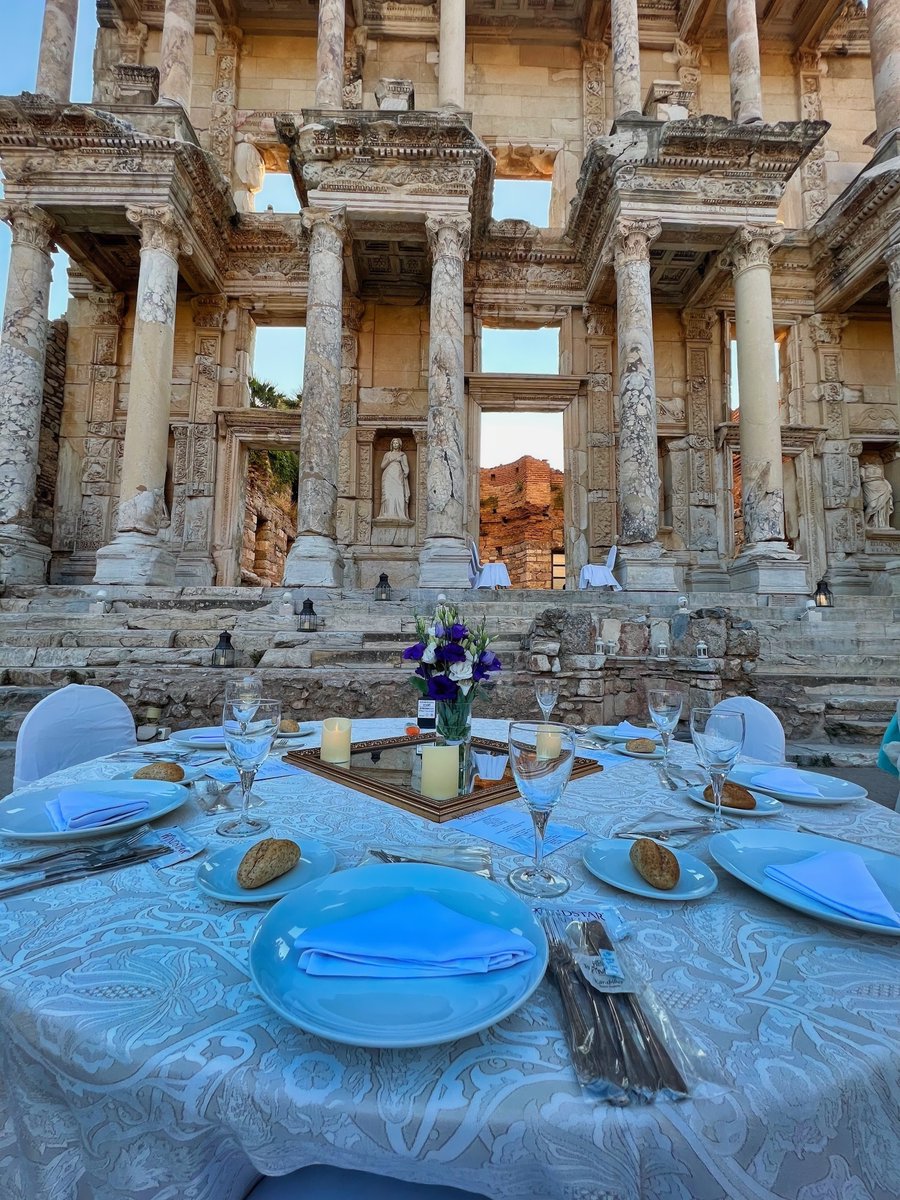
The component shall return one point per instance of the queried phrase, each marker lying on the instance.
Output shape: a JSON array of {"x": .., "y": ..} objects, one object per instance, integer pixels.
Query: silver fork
[{"x": 40, "y": 862}]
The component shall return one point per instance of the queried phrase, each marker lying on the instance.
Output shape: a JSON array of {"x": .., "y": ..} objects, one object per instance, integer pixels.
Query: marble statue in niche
[
  {"x": 394, "y": 484},
  {"x": 878, "y": 498},
  {"x": 249, "y": 174}
]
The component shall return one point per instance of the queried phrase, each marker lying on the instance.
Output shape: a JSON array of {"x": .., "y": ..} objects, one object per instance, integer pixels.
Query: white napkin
[
  {"x": 783, "y": 779},
  {"x": 205, "y": 735},
  {"x": 80, "y": 808},
  {"x": 626, "y": 730},
  {"x": 489, "y": 766},
  {"x": 411, "y": 938},
  {"x": 840, "y": 879}
]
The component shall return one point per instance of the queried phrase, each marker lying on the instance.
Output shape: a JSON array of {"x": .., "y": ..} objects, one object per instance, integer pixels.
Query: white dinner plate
[
  {"x": 609, "y": 860},
  {"x": 207, "y": 737},
  {"x": 621, "y": 748},
  {"x": 766, "y": 806},
  {"x": 610, "y": 733},
  {"x": 23, "y": 815},
  {"x": 745, "y": 853},
  {"x": 832, "y": 789},
  {"x": 388, "y": 1013},
  {"x": 217, "y": 874}
]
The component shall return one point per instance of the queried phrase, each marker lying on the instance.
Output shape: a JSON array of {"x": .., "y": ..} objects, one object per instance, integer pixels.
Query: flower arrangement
[{"x": 452, "y": 661}]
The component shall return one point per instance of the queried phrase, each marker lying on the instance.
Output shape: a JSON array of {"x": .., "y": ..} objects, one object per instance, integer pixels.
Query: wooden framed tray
[{"x": 389, "y": 768}]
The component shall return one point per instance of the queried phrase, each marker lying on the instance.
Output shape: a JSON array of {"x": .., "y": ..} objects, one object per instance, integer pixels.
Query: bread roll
[
  {"x": 641, "y": 745},
  {"x": 169, "y": 772},
  {"x": 266, "y": 861},
  {"x": 288, "y": 725},
  {"x": 733, "y": 796},
  {"x": 655, "y": 863}
]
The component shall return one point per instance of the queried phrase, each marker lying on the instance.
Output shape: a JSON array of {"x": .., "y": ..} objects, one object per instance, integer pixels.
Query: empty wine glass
[
  {"x": 541, "y": 757},
  {"x": 244, "y": 696},
  {"x": 248, "y": 744},
  {"x": 717, "y": 737},
  {"x": 665, "y": 706},
  {"x": 546, "y": 692}
]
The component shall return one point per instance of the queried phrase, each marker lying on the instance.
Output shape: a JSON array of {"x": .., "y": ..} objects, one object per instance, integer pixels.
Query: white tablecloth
[
  {"x": 137, "y": 1063},
  {"x": 493, "y": 575},
  {"x": 597, "y": 575}
]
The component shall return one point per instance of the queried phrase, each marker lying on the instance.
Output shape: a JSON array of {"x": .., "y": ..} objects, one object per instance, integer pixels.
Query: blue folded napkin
[
  {"x": 214, "y": 734},
  {"x": 411, "y": 938},
  {"x": 841, "y": 880},
  {"x": 626, "y": 730},
  {"x": 81, "y": 808}
]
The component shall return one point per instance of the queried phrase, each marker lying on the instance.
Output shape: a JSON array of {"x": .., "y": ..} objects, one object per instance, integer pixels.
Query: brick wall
[
  {"x": 270, "y": 521},
  {"x": 522, "y": 519},
  {"x": 51, "y": 417}
]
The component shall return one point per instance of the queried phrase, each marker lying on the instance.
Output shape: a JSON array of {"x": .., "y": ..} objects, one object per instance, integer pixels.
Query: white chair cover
[
  {"x": 600, "y": 575},
  {"x": 489, "y": 575},
  {"x": 763, "y": 732},
  {"x": 474, "y": 565},
  {"x": 68, "y": 727},
  {"x": 332, "y": 1183}
]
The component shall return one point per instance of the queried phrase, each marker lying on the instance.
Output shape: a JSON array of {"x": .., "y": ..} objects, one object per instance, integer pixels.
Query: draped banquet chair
[
  {"x": 763, "y": 732},
  {"x": 600, "y": 574},
  {"x": 334, "y": 1183},
  {"x": 486, "y": 575},
  {"x": 889, "y": 754},
  {"x": 77, "y": 723}
]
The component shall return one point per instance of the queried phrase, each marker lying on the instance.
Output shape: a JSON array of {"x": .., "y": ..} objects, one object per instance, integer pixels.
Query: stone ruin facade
[
  {"x": 724, "y": 222},
  {"x": 522, "y": 509}
]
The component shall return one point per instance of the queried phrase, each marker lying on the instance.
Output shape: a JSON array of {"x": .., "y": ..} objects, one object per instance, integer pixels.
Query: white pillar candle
[
  {"x": 440, "y": 772},
  {"x": 335, "y": 740},
  {"x": 548, "y": 744}
]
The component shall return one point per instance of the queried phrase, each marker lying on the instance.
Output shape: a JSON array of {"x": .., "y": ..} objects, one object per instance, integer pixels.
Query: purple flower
[
  {"x": 451, "y": 653},
  {"x": 414, "y": 653},
  {"x": 458, "y": 632},
  {"x": 438, "y": 629},
  {"x": 420, "y": 670},
  {"x": 442, "y": 687},
  {"x": 479, "y": 674},
  {"x": 489, "y": 661}
]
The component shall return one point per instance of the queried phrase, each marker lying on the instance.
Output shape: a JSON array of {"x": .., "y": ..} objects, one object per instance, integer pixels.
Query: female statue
[
  {"x": 878, "y": 497},
  {"x": 394, "y": 484}
]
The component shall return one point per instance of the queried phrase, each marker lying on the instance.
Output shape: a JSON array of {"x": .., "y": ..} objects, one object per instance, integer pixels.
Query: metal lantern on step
[
  {"x": 223, "y": 653},
  {"x": 383, "y": 587},
  {"x": 824, "y": 596},
  {"x": 309, "y": 621}
]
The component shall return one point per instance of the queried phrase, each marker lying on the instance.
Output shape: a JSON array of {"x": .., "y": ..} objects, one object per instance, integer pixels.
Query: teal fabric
[{"x": 891, "y": 734}]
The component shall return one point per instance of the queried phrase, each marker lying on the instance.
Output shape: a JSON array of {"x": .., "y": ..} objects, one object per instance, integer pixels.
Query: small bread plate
[
  {"x": 217, "y": 874},
  {"x": 612, "y": 733},
  {"x": 766, "y": 806},
  {"x": 292, "y": 739},
  {"x": 392, "y": 1013},
  {"x": 23, "y": 815},
  {"x": 745, "y": 854},
  {"x": 609, "y": 860},
  {"x": 621, "y": 748},
  {"x": 207, "y": 737},
  {"x": 823, "y": 789}
]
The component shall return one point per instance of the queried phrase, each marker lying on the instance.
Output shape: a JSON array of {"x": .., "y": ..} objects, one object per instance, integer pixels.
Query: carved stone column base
[
  {"x": 444, "y": 563},
  {"x": 194, "y": 568},
  {"x": 136, "y": 558},
  {"x": 22, "y": 558},
  {"x": 708, "y": 574},
  {"x": 648, "y": 568},
  {"x": 847, "y": 578},
  {"x": 314, "y": 561},
  {"x": 769, "y": 568}
]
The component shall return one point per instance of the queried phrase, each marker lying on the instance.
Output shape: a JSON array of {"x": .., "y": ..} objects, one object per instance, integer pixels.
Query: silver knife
[
  {"x": 49, "y": 878},
  {"x": 38, "y": 862}
]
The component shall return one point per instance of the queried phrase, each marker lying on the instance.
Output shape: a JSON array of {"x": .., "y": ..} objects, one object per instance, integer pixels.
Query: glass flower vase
[{"x": 453, "y": 719}]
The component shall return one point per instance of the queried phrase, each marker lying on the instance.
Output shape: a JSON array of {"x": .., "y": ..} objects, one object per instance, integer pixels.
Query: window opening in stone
[
  {"x": 277, "y": 359},
  {"x": 520, "y": 351},
  {"x": 277, "y": 194},
  {"x": 734, "y": 397},
  {"x": 522, "y": 504},
  {"x": 558, "y": 567},
  {"x": 522, "y": 200}
]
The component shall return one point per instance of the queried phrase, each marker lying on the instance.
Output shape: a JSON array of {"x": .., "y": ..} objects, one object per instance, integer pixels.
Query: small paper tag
[{"x": 182, "y": 846}]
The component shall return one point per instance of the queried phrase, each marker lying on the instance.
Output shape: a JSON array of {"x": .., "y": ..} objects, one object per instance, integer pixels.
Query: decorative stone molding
[
  {"x": 599, "y": 319},
  {"x": 633, "y": 239},
  {"x": 593, "y": 89},
  {"x": 160, "y": 229},
  {"x": 209, "y": 310},
  {"x": 892, "y": 258},
  {"x": 134, "y": 84},
  {"x": 395, "y": 95},
  {"x": 811, "y": 66},
  {"x": 752, "y": 246},
  {"x": 224, "y": 97},
  {"x": 448, "y": 235},
  {"x": 687, "y": 58},
  {"x": 132, "y": 40},
  {"x": 699, "y": 323},
  {"x": 30, "y": 226},
  {"x": 826, "y": 329}
]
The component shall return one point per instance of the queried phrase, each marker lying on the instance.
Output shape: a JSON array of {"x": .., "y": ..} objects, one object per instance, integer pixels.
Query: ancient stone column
[
  {"x": 762, "y": 485},
  {"x": 330, "y": 55},
  {"x": 57, "y": 54},
  {"x": 140, "y": 551},
  {"x": 892, "y": 257},
  {"x": 176, "y": 53},
  {"x": 626, "y": 59},
  {"x": 444, "y": 558},
  {"x": 743, "y": 61},
  {"x": 22, "y": 355},
  {"x": 315, "y": 559},
  {"x": 638, "y": 459},
  {"x": 452, "y": 55},
  {"x": 884, "y": 40}
]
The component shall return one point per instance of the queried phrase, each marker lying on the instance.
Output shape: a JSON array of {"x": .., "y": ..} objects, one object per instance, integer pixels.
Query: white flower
[
  {"x": 460, "y": 671},
  {"x": 465, "y": 688},
  {"x": 428, "y": 654}
]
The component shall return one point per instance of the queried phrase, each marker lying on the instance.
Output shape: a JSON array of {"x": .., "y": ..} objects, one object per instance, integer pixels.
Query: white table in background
[{"x": 492, "y": 575}]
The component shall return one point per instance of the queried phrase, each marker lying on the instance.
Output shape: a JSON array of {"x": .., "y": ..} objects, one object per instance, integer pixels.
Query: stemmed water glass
[
  {"x": 541, "y": 757},
  {"x": 546, "y": 692},
  {"x": 244, "y": 696},
  {"x": 248, "y": 742},
  {"x": 665, "y": 705},
  {"x": 718, "y": 737}
]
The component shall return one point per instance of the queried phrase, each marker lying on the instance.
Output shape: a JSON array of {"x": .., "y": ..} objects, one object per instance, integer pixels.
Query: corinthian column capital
[
  {"x": 632, "y": 241},
  {"x": 160, "y": 229},
  {"x": 327, "y": 228},
  {"x": 30, "y": 226},
  {"x": 594, "y": 52},
  {"x": 752, "y": 246},
  {"x": 892, "y": 258},
  {"x": 448, "y": 235}
]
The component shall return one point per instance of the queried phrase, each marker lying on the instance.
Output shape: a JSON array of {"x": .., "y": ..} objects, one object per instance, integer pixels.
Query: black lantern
[
  {"x": 824, "y": 596},
  {"x": 223, "y": 654},
  {"x": 309, "y": 621},
  {"x": 383, "y": 587}
]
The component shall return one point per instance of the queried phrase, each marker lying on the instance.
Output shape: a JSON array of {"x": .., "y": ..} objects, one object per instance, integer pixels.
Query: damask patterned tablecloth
[{"x": 138, "y": 1063}]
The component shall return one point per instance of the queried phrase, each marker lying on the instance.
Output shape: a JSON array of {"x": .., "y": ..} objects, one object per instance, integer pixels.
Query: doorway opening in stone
[{"x": 522, "y": 497}]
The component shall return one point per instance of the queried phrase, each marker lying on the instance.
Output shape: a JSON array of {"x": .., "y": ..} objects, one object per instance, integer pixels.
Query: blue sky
[{"x": 279, "y": 351}]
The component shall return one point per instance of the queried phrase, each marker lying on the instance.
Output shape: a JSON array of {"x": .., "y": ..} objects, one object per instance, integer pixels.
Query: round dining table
[{"x": 138, "y": 1062}]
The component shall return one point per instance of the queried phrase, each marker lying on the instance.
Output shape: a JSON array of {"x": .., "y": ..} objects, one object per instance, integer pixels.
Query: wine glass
[
  {"x": 717, "y": 737},
  {"x": 248, "y": 744},
  {"x": 541, "y": 757},
  {"x": 244, "y": 696},
  {"x": 665, "y": 706},
  {"x": 546, "y": 692}
]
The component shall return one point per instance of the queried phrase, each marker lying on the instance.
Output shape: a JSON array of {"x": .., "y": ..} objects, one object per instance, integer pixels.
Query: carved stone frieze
[
  {"x": 699, "y": 323},
  {"x": 209, "y": 310},
  {"x": 599, "y": 319}
]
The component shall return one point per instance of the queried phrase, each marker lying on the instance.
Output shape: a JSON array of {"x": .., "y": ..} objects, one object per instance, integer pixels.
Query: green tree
[
  {"x": 264, "y": 394},
  {"x": 283, "y": 465}
]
